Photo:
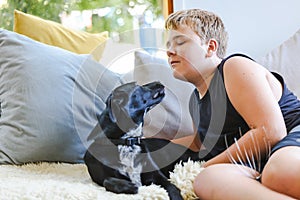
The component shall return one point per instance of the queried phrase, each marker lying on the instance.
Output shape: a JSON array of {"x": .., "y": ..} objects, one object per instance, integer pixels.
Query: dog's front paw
[{"x": 120, "y": 186}]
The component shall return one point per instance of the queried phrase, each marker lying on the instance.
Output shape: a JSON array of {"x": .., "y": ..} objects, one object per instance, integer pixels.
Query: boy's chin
[{"x": 179, "y": 76}]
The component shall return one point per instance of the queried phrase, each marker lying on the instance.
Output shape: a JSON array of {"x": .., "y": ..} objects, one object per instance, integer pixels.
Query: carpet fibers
[{"x": 60, "y": 181}]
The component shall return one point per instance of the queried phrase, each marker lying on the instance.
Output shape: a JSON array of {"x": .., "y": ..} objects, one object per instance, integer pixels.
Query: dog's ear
[{"x": 110, "y": 110}]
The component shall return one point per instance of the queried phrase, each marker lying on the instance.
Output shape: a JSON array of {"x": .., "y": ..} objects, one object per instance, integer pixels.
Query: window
[
  {"x": 131, "y": 23},
  {"x": 115, "y": 16}
]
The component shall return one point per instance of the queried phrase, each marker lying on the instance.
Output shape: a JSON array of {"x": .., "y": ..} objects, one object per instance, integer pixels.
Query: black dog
[{"x": 119, "y": 158}]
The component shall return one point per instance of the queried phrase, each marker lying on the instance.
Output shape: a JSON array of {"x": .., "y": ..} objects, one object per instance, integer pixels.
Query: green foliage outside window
[
  {"x": 51, "y": 9},
  {"x": 42, "y": 8}
]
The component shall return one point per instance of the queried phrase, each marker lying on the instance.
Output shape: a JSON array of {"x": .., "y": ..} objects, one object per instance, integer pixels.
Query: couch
[{"x": 54, "y": 80}]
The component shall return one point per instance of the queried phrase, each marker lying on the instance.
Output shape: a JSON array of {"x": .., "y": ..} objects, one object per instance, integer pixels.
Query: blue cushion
[{"x": 48, "y": 98}]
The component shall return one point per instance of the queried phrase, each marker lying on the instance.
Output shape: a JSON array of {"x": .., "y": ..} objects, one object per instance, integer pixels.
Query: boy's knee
[
  {"x": 200, "y": 183},
  {"x": 197, "y": 184},
  {"x": 271, "y": 173},
  {"x": 205, "y": 184},
  {"x": 281, "y": 172}
]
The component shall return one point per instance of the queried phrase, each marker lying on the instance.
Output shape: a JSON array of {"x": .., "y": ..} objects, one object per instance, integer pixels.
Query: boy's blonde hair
[{"x": 205, "y": 24}]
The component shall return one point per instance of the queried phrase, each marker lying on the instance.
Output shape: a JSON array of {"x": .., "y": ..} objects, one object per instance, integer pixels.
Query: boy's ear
[{"x": 212, "y": 47}]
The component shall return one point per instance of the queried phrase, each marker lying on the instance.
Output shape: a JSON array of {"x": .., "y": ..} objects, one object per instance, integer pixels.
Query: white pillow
[
  {"x": 171, "y": 118},
  {"x": 285, "y": 59}
]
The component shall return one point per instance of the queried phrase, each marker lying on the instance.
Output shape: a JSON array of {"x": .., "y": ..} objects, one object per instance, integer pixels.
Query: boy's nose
[{"x": 170, "y": 52}]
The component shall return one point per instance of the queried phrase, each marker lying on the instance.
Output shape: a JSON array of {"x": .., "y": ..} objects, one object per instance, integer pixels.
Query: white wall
[{"x": 255, "y": 27}]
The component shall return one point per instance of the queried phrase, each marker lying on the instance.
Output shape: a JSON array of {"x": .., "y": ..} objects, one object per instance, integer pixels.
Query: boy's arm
[{"x": 191, "y": 141}]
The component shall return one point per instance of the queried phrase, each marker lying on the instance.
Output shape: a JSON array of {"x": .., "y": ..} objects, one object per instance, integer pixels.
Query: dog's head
[{"x": 128, "y": 103}]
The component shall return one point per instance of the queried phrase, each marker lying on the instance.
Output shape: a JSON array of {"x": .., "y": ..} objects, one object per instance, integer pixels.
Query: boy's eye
[{"x": 180, "y": 42}]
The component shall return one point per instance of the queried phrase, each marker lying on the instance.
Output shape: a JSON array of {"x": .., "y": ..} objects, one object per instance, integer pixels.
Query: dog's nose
[{"x": 159, "y": 84}]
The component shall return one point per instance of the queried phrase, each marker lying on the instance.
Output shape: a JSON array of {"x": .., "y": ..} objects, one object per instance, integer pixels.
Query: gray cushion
[
  {"x": 285, "y": 60},
  {"x": 48, "y": 100}
]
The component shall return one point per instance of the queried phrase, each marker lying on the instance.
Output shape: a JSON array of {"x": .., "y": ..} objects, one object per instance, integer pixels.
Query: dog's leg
[
  {"x": 118, "y": 186},
  {"x": 156, "y": 176},
  {"x": 117, "y": 182}
]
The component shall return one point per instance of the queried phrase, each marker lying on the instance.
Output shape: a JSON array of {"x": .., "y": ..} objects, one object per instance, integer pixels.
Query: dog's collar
[
  {"x": 130, "y": 141},
  {"x": 132, "y": 137}
]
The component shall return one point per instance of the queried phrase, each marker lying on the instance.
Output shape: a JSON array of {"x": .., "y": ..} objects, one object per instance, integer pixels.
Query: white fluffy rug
[{"x": 71, "y": 181}]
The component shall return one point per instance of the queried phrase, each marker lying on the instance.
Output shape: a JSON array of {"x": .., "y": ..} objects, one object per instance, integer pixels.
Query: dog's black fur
[{"x": 119, "y": 159}]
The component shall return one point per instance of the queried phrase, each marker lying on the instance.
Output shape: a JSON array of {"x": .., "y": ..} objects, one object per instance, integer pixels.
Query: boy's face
[{"x": 187, "y": 54}]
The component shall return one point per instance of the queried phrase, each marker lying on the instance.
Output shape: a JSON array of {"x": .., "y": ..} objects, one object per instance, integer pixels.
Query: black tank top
[{"x": 219, "y": 124}]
